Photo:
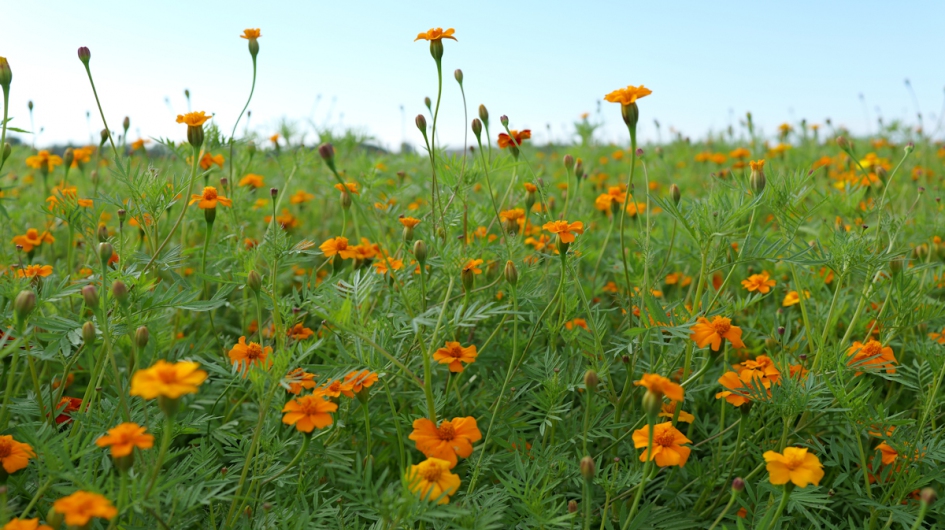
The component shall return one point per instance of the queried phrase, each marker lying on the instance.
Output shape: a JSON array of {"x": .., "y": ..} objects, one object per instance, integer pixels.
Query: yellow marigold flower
[
  {"x": 795, "y": 465},
  {"x": 337, "y": 245},
  {"x": 85, "y": 203},
  {"x": 433, "y": 480},
  {"x": 409, "y": 222},
  {"x": 667, "y": 445},
  {"x": 348, "y": 187},
  {"x": 740, "y": 153},
  {"x": 448, "y": 442},
  {"x": 629, "y": 95},
  {"x": 759, "y": 282},
  {"x": 207, "y": 161},
  {"x": 563, "y": 229},
  {"x": 298, "y": 380},
  {"x": 193, "y": 119},
  {"x": 793, "y": 297},
  {"x": 209, "y": 199},
  {"x": 436, "y": 34},
  {"x": 473, "y": 266},
  {"x": 14, "y": 455},
  {"x": 705, "y": 332},
  {"x": 872, "y": 355},
  {"x": 300, "y": 196},
  {"x": 251, "y": 34},
  {"x": 256, "y": 181},
  {"x": 384, "y": 265},
  {"x": 757, "y": 165},
  {"x": 309, "y": 412},
  {"x": 35, "y": 271},
  {"x": 668, "y": 410},
  {"x": 25, "y": 524},
  {"x": 661, "y": 386},
  {"x": 44, "y": 160},
  {"x": 512, "y": 215},
  {"x": 455, "y": 354},
  {"x": 244, "y": 355},
  {"x": 80, "y": 507},
  {"x": 32, "y": 238},
  {"x": 124, "y": 438},
  {"x": 82, "y": 155},
  {"x": 170, "y": 380}
]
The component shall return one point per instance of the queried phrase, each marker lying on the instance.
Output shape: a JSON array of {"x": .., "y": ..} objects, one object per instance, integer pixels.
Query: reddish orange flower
[
  {"x": 80, "y": 507},
  {"x": 124, "y": 438},
  {"x": 244, "y": 355},
  {"x": 35, "y": 271},
  {"x": 252, "y": 180},
  {"x": 434, "y": 34},
  {"x": 473, "y": 266},
  {"x": 450, "y": 440},
  {"x": 298, "y": 380},
  {"x": 455, "y": 354},
  {"x": 705, "y": 332},
  {"x": 348, "y": 187},
  {"x": 32, "y": 239},
  {"x": 14, "y": 455},
  {"x": 516, "y": 138},
  {"x": 299, "y": 332},
  {"x": 207, "y": 161},
  {"x": 337, "y": 388},
  {"x": 563, "y": 229},
  {"x": 67, "y": 405},
  {"x": 409, "y": 222}
]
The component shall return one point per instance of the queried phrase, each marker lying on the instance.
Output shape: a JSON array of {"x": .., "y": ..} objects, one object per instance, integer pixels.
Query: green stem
[
  {"x": 777, "y": 513},
  {"x": 646, "y": 473},
  {"x": 238, "y": 118}
]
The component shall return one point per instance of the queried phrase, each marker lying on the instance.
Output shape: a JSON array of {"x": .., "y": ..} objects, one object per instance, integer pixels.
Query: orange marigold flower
[
  {"x": 301, "y": 196},
  {"x": 741, "y": 387},
  {"x": 793, "y": 298},
  {"x": 359, "y": 380},
  {"x": 668, "y": 448},
  {"x": 668, "y": 410},
  {"x": 629, "y": 95},
  {"x": 759, "y": 282},
  {"x": 348, "y": 187},
  {"x": 207, "y": 161},
  {"x": 35, "y": 271},
  {"x": 298, "y": 380},
  {"x": 762, "y": 366},
  {"x": 80, "y": 507},
  {"x": 14, "y": 455},
  {"x": 169, "y": 380},
  {"x": 872, "y": 355},
  {"x": 85, "y": 203},
  {"x": 66, "y": 405},
  {"x": 436, "y": 34},
  {"x": 795, "y": 465},
  {"x": 887, "y": 453},
  {"x": 433, "y": 480},
  {"x": 530, "y": 188},
  {"x": 384, "y": 265},
  {"x": 337, "y": 388},
  {"x": 705, "y": 332},
  {"x": 209, "y": 199},
  {"x": 193, "y": 119},
  {"x": 576, "y": 323},
  {"x": 757, "y": 165},
  {"x": 740, "y": 153},
  {"x": 409, "y": 222},
  {"x": 299, "y": 332},
  {"x": 938, "y": 337},
  {"x": 25, "y": 524},
  {"x": 247, "y": 354},
  {"x": 44, "y": 161},
  {"x": 32, "y": 239},
  {"x": 563, "y": 229},
  {"x": 124, "y": 438},
  {"x": 450, "y": 440},
  {"x": 253, "y": 180},
  {"x": 455, "y": 354},
  {"x": 661, "y": 386},
  {"x": 309, "y": 412},
  {"x": 615, "y": 195},
  {"x": 512, "y": 215},
  {"x": 516, "y": 138},
  {"x": 251, "y": 34},
  {"x": 473, "y": 266}
]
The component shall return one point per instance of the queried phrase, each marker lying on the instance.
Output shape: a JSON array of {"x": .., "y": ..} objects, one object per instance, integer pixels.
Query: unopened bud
[
  {"x": 102, "y": 234},
  {"x": 771, "y": 343},
  {"x": 88, "y": 333},
  {"x": 652, "y": 405},
  {"x": 251, "y": 148},
  {"x": 428, "y": 103},
  {"x": 273, "y": 192},
  {"x": 843, "y": 143},
  {"x": 511, "y": 273},
  {"x": 68, "y": 157},
  {"x": 23, "y": 305},
  {"x": 254, "y": 281},
  {"x": 420, "y": 252},
  {"x": 572, "y": 506},
  {"x": 421, "y": 122},
  {"x": 477, "y": 128},
  {"x": 85, "y": 55},
  {"x": 90, "y": 296},
  {"x": 484, "y": 115},
  {"x": 120, "y": 291},
  {"x": 142, "y": 336},
  {"x": 7, "y": 150},
  {"x": 126, "y": 123},
  {"x": 757, "y": 181},
  {"x": 588, "y": 469},
  {"x": 327, "y": 152},
  {"x": 591, "y": 380},
  {"x": 104, "y": 133},
  {"x": 504, "y": 120},
  {"x": 927, "y": 496},
  {"x": 568, "y": 161},
  {"x": 105, "y": 251},
  {"x": 738, "y": 484},
  {"x": 458, "y": 74}
]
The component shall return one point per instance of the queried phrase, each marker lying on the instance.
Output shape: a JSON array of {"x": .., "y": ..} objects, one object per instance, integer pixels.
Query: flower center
[
  {"x": 254, "y": 351},
  {"x": 721, "y": 327},
  {"x": 664, "y": 439},
  {"x": 446, "y": 432},
  {"x": 209, "y": 193},
  {"x": 168, "y": 376},
  {"x": 431, "y": 473},
  {"x": 871, "y": 349}
]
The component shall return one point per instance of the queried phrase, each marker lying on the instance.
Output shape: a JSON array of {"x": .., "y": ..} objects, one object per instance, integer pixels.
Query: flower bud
[
  {"x": 105, "y": 251},
  {"x": 591, "y": 380},
  {"x": 738, "y": 484},
  {"x": 327, "y": 152},
  {"x": 675, "y": 193},
  {"x": 771, "y": 343},
  {"x": 54, "y": 519},
  {"x": 511, "y": 273},
  {"x": 428, "y": 103},
  {"x": 421, "y": 124},
  {"x": 652, "y": 405},
  {"x": 104, "y": 133},
  {"x": 251, "y": 148},
  {"x": 23, "y": 305},
  {"x": 90, "y": 296},
  {"x": 572, "y": 506},
  {"x": 588, "y": 469},
  {"x": 6, "y": 75},
  {"x": 195, "y": 135},
  {"x": 631, "y": 115},
  {"x": 568, "y": 161},
  {"x": 757, "y": 180},
  {"x": 484, "y": 115},
  {"x": 504, "y": 120},
  {"x": 897, "y": 265},
  {"x": 120, "y": 292},
  {"x": 469, "y": 279},
  {"x": 125, "y": 124},
  {"x": 85, "y": 55},
  {"x": 843, "y": 143},
  {"x": 142, "y": 336},
  {"x": 458, "y": 74},
  {"x": 7, "y": 150},
  {"x": 102, "y": 234},
  {"x": 927, "y": 496},
  {"x": 254, "y": 281},
  {"x": 68, "y": 157},
  {"x": 345, "y": 200},
  {"x": 909, "y": 148},
  {"x": 88, "y": 333},
  {"x": 477, "y": 128},
  {"x": 579, "y": 168},
  {"x": 420, "y": 252}
]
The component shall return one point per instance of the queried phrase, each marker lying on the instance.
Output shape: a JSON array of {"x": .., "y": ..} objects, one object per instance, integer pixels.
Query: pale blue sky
[{"x": 538, "y": 62}]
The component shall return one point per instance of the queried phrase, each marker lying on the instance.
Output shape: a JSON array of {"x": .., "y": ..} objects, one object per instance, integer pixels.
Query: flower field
[{"x": 236, "y": 330}]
